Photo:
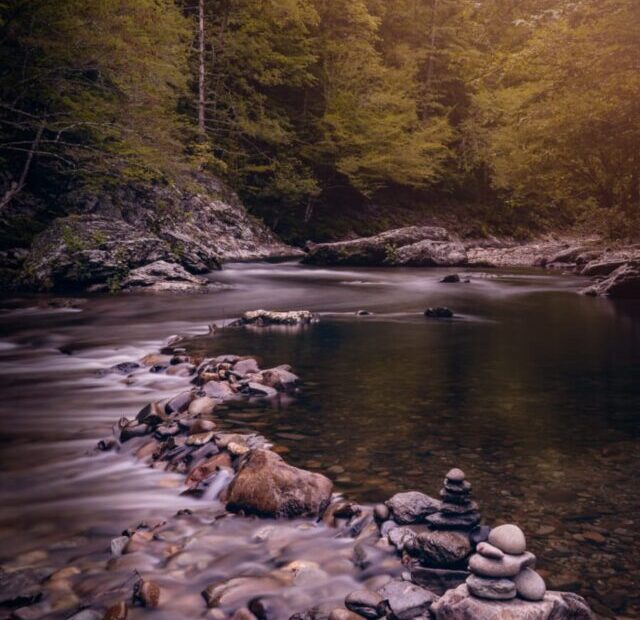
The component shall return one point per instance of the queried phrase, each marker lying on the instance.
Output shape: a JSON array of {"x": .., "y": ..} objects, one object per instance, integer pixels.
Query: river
[{"x": 532, "y": 389}]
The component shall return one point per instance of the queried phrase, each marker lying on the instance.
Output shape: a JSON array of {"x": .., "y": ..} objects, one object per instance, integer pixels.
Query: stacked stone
[
  {"x": 457, "y": 510},
  {"x": 502, "y": 568}
]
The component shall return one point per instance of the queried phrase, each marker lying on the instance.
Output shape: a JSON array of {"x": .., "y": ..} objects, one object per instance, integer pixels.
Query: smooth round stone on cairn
[
  {"x": 502, "y": 568},
  {"x": 457, "y": 510}
]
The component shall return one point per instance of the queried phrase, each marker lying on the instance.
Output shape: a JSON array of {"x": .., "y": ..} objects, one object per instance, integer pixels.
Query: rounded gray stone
[
  {"x": 492, "y": 589},
  {"x": 508, "y": 538},
  {"x": 489, "y": 551},
  {"x": 530, "y": 586}
]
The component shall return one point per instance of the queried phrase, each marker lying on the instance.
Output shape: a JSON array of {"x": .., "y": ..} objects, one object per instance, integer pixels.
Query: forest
[{"x": 524, "y": 113}]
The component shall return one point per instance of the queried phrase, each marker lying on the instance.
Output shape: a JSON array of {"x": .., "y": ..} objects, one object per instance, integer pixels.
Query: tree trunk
[
  {"x": 434, "y": 7},
  {"x": 201, "y": 71}
]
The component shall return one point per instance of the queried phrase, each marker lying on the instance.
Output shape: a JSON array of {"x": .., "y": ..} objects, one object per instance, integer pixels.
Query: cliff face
[{"x": 103, "y": 235}]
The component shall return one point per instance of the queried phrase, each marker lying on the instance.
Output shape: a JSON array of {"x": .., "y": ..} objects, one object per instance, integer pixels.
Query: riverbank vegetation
[{"x": 316, "y": 112}]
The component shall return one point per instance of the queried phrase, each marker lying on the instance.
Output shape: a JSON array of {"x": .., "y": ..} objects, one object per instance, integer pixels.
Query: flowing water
[{"x": 532, "y": 389}]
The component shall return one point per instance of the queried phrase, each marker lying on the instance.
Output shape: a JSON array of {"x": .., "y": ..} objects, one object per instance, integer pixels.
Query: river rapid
[{"x": 532, "y": 389}]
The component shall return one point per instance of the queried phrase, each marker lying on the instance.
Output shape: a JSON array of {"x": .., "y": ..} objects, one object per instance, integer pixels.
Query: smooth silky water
[{"x": 532, "y": 389}]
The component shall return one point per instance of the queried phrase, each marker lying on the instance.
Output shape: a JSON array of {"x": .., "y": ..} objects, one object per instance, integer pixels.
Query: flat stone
[
  {"x": 454, "y": 522},
  {"x": 219, "y": 390},
  {"x": 508, "y": 566},
  {"x": 530, "y": 585},
  {"x": 492, "y": 589},
  {"x": 458, "y": 509},
  {"x": 366, "y": 603},
  {"x": 405, "y": 599},
  {"x": 438, "y": 580},
  {"x": 412, "y": 507},
  {"x": 489, "y": 551},
  {"x": 199, "y": 439},
  {"x": 462, "y": 487},
  {"x": 509, "y": 538}
]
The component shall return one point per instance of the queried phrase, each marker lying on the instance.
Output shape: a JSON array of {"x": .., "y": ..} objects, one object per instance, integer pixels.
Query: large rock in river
[
  {"x": 413, "y": 245},
  {"x": 623, "y": 283},
  {"x": 267, "y": 486},
  {"x": 459, "y": 604}
]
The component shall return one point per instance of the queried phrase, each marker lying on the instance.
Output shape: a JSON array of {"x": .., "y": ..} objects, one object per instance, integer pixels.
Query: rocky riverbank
[
  {"x": 273, "y": 541},
  {"x": 615, "y": 270}
]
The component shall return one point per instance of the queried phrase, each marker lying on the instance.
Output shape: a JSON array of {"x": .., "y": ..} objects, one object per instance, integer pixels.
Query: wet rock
[
  {"x": 267, "y": 486},
  {"x": 508, "y": 538},
  {"x": 246, "y": 367},
  {"x": 363, "y": 313},
  {"x": 124, "y": 368},
  {"x": 365, "y": 603},
  {"x": 406, "y": 600},
  {"x": 133, "y": 430},
  {"x": 491, "y": 589},
  {"x": 440, "y": 549},
  {"x": 279, "y": 378},
  {"x": 381, "y": 513},
  {"x": 147, "y": 593},
  {"x": 344, "y": 614},
  {"x": 263, "y": 318},
  {"x": 119, "y": 611},
  {"x": 118, "y": 545},
  {"x": 258, "y": 389},
  {"x": 218, "y": 390},
  {"x": 411, "y": 507},
  {"x": 199, "y": 439},
  {"x": 438, "y": 580},
  {"x": 438, "y": 313},
  {"x": 430, "y": 253},
  {"x": 178, "y": 403},
  {"x": 204, "y": 405},
  {"x": 201, "y": 426},
  {"x": 399, "y": 537},
  {"x": 160, "y": 276},
  {"x": 459, "y": 604},
  {"x": 623, "y": 283},
  {"x": 530, "y": 586},
  {"x": 21, "y": 587},
  {"x": 87, "y": 614},
  {"x": 267, "y": 608},
  {"x": 479, "y": 534},
  {"x": 452, "y": 278}
]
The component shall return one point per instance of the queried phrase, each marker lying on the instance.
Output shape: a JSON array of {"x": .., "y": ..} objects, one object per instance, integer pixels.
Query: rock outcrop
[
  {"x": 109, "y": 233},
  {"x": 623, "y": 283},
  {"x": 417, "y": 246}
]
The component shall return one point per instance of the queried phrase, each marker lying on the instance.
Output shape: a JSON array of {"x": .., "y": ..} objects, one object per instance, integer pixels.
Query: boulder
[
  {"x": 265, "y": 485},
  {"x": 412, "y": 507},
  {"x": 429, "y": 253},
  {"x": 162, "y": 276},
  {"x": 440, "y": 549},
  {"x": 601, "y": 267},
  {"x": 382, "y": 249},
  {"x": 459, "y": 604},
  {"x": 623, "y": 283},
  {"x": 263, "y": 318}
]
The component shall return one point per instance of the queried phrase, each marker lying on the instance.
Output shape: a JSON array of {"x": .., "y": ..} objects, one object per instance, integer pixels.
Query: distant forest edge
[{"x": 331, "y": 116}]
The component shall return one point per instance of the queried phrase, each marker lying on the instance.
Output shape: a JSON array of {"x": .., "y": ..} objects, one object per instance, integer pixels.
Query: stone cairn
[
  {"x": 502, "y": 568},
  {"x": 457, "y": 510}
]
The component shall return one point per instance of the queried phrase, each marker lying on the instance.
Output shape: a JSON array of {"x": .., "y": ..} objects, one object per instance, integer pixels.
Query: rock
[
  {"x": 260, "y": 390},
  {"x": 429, "y": 253},
  {"x": 438, "y": 580},
  {"x": 86, "y": 614},
  {"x": 199, "y": 439},
  {"x": 159, "y": 276},
  {"x": 458, "y": 604},
  {"x": 530, "y": 586},
  {"x": 489, "y": 551},
  {"x": 455, "y": 476},
  {"x": 411, "y": 507},
  {"x": 208, "y": 468},
  {"x": 399, "y": 537},
  {"x": 201, "y": 426},
  {"x": 623, "y": 283},
  {"x": 267, "y": 608},
  {"x": 405, "y": 599},
  {"x": 365, "y": 603},
  {"x": 265, "y": 485},
  {"x": 492, "y": 589},
  {"x": 438, "y": 313},
  {"x": 119, "y": 611},
  {"x": 508, "y": 538},
  {"x": 147, "y": 593},
  {"x": 344, "y": 614},
  {"x": 118, "y": 545},
  {"x": 21, "y": 587},
  {"x": 246, "y": 367},
  {"x": 278, "y": 378},
  {"x": 479, "y": 534},
  {"x": 381, "y": 513},
  {"x": 440, "y": 549},
  {"x": 508, "y": 566},
  {"x": 178, "y": 403},
  {"x": 204, "y": 405},
  {"x": 263, "y": 318},
  {"x": 123, "y": 368},
  {"x": 452, "y": 278},
  {"x": 363, "y": 313},
  {"x": 601, "y": 267},
  {"x": 218, "y": 390}
]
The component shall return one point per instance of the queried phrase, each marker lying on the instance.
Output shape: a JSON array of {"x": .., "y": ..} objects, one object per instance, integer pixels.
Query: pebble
[
  {"x": 147, "y": 593},
  {"x": 366, "y": 603},
  {"x": 530, "y": 586},
  {"x": 489, "y": 551},
  {"x": 508, "y": 538}
]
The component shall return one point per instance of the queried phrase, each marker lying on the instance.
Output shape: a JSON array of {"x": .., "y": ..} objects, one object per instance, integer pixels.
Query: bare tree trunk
[
  {"x": 201, "y": 71},
  {"x": 16, "y": 187},
  {"x": 432, "y": 50}
]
